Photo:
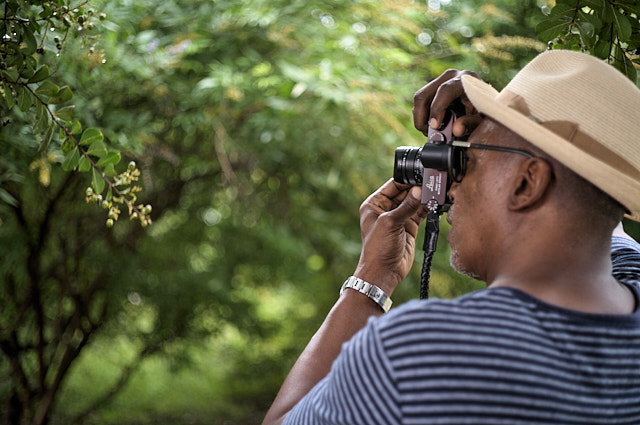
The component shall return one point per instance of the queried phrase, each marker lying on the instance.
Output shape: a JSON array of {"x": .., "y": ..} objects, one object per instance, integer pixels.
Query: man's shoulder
[
  {"x": 488, "y": 308},
  {"x": 476, "y": 301}
]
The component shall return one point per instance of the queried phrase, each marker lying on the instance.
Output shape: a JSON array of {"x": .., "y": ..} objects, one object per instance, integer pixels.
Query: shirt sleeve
[
  {"x": 359, "y": 389},
  {"x": 625, "y": 258}
]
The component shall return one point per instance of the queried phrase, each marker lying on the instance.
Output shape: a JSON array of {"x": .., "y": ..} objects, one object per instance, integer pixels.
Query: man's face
[{"x": 478, "y": 201}]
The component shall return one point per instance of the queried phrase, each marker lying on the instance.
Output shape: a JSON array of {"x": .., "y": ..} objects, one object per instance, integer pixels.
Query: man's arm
[
  {"x": 625, "y": 257},
  {"x": 389, "y": 221}
]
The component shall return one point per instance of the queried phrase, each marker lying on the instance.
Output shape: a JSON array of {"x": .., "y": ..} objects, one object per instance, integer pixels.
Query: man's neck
[{"x": 569, "y": 272}]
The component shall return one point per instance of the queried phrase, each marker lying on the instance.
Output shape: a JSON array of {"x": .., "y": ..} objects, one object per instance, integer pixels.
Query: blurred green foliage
[{"x": 258, "y": 127}]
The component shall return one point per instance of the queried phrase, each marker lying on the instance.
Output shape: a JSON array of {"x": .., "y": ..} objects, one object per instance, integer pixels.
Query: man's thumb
[{"x": 409, "y": 205}]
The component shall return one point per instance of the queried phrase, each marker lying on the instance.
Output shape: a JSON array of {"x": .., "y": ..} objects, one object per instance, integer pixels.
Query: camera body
[{"x": 430, "y": 166}]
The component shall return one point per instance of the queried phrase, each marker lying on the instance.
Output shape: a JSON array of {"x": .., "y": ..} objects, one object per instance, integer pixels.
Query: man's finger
[
  {"x": 447, "y": 93},
  {"x": 465, "y": 125}
]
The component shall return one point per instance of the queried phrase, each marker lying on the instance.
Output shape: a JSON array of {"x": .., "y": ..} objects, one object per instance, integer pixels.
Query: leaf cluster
[
  {"x": 35, "y": 34},
  {"x": 608, "y": 29}
]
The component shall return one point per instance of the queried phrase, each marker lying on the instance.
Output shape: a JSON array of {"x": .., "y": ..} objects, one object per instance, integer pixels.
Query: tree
[{"x": 257, "y": 128}]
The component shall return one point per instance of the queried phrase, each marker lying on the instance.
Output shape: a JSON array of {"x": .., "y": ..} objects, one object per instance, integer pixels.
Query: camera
[{"x": 433, "y": 166}]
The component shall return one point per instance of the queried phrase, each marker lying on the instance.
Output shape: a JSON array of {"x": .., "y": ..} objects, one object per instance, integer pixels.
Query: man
[{"x": 554, "y": 338}]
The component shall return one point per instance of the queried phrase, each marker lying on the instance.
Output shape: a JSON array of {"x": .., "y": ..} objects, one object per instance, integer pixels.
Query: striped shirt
[{"x": 495, "y": 356}]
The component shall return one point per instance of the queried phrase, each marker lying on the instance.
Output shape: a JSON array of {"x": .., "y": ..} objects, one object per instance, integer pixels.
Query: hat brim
[{"x": 604, "y": 176}]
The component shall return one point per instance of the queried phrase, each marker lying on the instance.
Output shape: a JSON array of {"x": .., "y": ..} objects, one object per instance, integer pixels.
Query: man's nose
[{"x": 452, "y": 190}]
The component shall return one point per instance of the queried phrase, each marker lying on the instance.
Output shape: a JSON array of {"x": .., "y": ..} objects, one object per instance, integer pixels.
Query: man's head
[
  {"x": 578, "y": 111},
  {"x": 510, "y": 196}
]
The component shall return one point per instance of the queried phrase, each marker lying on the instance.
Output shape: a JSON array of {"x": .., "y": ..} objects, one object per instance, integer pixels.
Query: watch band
[{"x": 371, "y": 291}]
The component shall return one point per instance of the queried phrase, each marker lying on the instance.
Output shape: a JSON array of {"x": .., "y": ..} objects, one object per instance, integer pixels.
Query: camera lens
[{"x": 408, "y": 168}]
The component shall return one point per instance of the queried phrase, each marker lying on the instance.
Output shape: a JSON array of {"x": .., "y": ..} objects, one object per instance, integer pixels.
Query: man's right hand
[
  {"x": 389, "y": 221},
  {"x": 431, "y": 102}
]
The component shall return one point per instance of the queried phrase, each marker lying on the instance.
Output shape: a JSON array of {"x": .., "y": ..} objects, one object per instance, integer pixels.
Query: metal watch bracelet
[{"x": 372, "y": 291}]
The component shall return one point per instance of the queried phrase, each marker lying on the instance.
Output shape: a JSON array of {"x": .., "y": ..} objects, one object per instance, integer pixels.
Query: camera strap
[{"x": 429, "y": 246}]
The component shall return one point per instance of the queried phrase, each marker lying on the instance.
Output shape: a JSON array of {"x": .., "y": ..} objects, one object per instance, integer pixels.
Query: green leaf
[
  {"x": 112, "y": 158},
  {"x": 84, "y": 165},
  {"x": 570, "y": 3},
  {"x": 591, "y": 18},
  {"x": 634, "y": 40},
  {"x": 602, "y": 49},
  {"x": 587, "y": 32},
  {"x": 67, "y": 145},
  {"x": 563, "y": 10},
  {"x": 98, "y": 149},
  {"x": 551, "y": 28},
  {"x": 625, "y": 65},
  {"x": 63, "y": 95},
  {"x": 46, "y": 139},
  {"x": 7, "y": 93},
  {"x": 48, "y": 88},
  {"x": 608, "y": 14},
  {"x": 16, "y": 61},
  {"x": 30, "y": 43},
  {"x": 11, "y": 75},
  {"x": 97, "y": 181},
  {"x": 595, "y": 5},
  {"x": 26, "y": 70},
  {"x": 65, "y": 113},
  {"x": 75, "y": 127},
  {"x": 110, "y": 170},
  {"x": 25, "y": 99},
  {"x": 71, "y": 160},
  {"x": 39, "y": 110},
  {"x": 43, "y": 119},
  {"x": 623, "y": 26},
  {"x": 40, "y": 74},
  {"x": 605, "y": 32},
  {"x": 8, "y": 198},
  {"x": 91, "y": 135}
]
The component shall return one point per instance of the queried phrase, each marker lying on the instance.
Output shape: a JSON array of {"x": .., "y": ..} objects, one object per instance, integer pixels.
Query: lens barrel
[{"x": 408, "y": 168}]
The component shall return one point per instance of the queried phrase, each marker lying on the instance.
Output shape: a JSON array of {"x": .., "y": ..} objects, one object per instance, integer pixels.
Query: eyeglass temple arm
[{"x": 464, "y": 144}]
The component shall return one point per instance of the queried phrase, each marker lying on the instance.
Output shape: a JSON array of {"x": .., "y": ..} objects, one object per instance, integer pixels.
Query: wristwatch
[{"x": 372, "y": 291}]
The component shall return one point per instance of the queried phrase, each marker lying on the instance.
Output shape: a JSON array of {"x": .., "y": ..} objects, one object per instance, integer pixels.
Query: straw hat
[{"x": 579, "y": 110}]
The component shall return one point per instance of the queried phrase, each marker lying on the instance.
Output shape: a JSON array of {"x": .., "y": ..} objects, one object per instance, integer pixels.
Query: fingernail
[{"x": 433, "y": 123}]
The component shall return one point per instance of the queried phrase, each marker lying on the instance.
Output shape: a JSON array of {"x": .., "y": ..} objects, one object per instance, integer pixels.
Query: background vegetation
[{"x": 248, "y": 133}]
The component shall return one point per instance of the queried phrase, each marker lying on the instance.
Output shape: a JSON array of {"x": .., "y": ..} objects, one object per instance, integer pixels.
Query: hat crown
[{"x": 562, "y": 85}]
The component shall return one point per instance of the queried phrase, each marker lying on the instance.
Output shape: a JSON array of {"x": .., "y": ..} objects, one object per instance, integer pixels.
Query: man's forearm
[{"x": 350, "y": 314}]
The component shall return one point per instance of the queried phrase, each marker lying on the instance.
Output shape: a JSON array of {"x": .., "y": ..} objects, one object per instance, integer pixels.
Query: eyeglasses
[
  {"x": 452, "y": 157},
  {"x": 466, "y": 145}
]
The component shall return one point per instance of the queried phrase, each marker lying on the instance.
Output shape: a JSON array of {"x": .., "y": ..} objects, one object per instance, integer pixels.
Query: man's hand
[
  {"x": 389, "y": 221},
  {"x": 431, "y": 102}
]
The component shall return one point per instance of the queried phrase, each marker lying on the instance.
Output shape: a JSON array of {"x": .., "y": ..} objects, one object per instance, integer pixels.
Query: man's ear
[{"x": 530, "y": 184}]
